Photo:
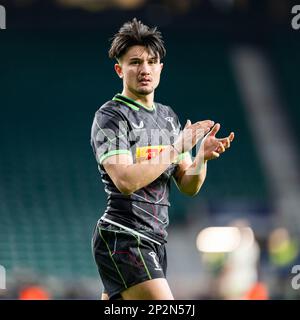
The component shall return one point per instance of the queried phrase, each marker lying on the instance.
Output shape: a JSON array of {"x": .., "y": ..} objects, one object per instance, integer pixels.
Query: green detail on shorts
[
  {"x": 127, "y": 103},
  {"x": 142, "y": 258},
  {"x": 110, "y": 254},
  {"x": 112, "y": 153},
  {"x": 138, "y": 239}
]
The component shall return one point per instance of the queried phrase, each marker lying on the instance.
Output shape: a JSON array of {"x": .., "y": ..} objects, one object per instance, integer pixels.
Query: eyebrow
[{"x": 138, "y": 58}]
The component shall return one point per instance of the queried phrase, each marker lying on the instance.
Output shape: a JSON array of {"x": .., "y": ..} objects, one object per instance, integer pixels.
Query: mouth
[{"x": 144, "y": 81}]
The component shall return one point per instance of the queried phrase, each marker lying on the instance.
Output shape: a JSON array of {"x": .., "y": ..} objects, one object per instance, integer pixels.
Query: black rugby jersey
[{"x": 123, "y": 125}]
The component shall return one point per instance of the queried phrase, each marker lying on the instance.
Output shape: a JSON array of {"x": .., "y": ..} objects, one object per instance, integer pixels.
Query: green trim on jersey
[
  {"x": 182, "y": 156},
  {"x": 131, "y": 103},
  {"x": 113, "y": 153},
  {"x": 128, "y": 104}
]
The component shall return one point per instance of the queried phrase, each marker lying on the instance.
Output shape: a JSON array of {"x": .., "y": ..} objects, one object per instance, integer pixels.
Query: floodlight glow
[{"x": 218, "y": 239}]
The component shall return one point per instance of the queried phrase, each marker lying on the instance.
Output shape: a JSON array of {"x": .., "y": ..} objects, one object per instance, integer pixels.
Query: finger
[
  {"x": 215, "y": 155},
  {"x": 221, "y": 148},
  {"x": 231, "y": 136},
  {"x": 207, "y": 127},
  {"x": 202, "y": 128},
  {"x": 204, "y": 124},
  {"x": 225, "y": 141},
  {"x": 188, "y": 123},
  {"x": 200, "y": 133},
  {"x": 215, "y": 129}
]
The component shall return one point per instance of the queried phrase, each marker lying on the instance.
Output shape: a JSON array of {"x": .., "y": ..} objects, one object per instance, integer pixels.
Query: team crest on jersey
[
  {"x": 153, "y": 255},
  {"x": 171, "y": 121}
]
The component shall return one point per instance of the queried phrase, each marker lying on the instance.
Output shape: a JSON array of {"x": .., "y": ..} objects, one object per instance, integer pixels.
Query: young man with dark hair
[{"x": 139, "y": 145}]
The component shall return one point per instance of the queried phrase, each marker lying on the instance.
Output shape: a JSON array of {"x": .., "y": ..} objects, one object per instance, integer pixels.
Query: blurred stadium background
[{"x": 232, "y": 61}]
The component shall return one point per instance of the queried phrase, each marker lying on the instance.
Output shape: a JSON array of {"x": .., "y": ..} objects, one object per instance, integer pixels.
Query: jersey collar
[{"x": 132, "y": 103}]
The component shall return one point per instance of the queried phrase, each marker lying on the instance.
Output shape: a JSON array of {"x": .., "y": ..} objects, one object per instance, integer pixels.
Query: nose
[{"x": 145, "y": 68}]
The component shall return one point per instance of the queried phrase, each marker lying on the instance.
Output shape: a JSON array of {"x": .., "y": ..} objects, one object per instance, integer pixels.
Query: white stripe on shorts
[{"x": 130, "y": 230}]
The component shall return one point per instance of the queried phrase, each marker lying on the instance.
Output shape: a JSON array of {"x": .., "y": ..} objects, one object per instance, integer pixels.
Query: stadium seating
[
  {"x": 284, "y": 58},
  {"x": 51, "y": 193}
]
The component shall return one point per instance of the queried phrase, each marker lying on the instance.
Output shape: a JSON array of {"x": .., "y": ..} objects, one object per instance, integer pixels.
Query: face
[{"x": 140, "y": 71}]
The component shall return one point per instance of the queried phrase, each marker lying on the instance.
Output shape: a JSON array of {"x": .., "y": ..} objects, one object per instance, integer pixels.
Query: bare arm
[
  {"x": 129, "y": 177},
  {"x": 190, "y": 175}
]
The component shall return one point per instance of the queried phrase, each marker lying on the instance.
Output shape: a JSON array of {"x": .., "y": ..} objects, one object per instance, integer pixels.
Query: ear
[
  {"x": 118, "y": 69},
  {"x": 161, "y": 66}
]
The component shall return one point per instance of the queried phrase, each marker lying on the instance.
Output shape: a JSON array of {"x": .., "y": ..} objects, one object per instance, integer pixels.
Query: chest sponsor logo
[{"x": 148, "y": 152}]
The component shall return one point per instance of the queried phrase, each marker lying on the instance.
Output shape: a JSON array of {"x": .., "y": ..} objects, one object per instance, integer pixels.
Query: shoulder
[
  {"x": 109, "y": 107},
  {"x": 166, "y": 110},
  {"x": 110, "y": 110}
]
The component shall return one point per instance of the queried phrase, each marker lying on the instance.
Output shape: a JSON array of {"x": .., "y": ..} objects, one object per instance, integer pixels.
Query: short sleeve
[{"x": 110, "y": 135}]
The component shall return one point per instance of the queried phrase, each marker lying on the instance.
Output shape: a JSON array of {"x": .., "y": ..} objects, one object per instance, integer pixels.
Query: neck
[{"x": 145, "y": 100}]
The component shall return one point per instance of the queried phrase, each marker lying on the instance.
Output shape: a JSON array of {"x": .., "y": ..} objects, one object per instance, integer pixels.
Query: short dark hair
[{"x": 136, "y": 33}]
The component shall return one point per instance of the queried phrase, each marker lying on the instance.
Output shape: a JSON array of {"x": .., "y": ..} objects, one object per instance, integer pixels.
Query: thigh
[{"x": 155, "y": 289}]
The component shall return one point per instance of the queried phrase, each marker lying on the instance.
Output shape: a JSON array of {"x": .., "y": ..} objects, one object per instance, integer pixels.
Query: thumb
[
  {"x": 215, "y": 129},
  {"x": 188, "y": 123}
]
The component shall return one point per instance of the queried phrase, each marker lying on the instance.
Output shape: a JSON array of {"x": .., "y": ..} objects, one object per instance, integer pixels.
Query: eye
[
  {"x": 135, "y": 62},
  {"x": 153, "y": 61}
]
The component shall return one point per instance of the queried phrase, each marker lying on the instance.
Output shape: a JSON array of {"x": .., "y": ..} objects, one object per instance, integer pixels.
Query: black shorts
[{"x": 125, "y": 259}]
